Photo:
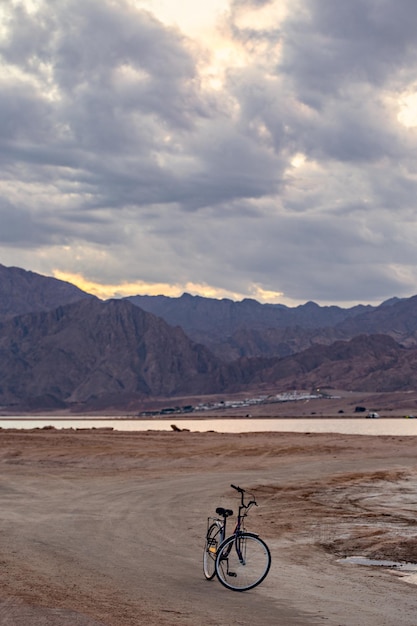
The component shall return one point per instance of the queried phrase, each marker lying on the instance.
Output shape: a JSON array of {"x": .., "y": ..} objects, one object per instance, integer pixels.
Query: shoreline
[
  {"x": 179, "y": 417},
  {"x": 337, "y": 404}
]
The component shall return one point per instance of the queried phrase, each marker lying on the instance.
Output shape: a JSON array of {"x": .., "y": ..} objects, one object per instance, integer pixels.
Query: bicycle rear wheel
[
  {"x": 242, "y": 562},
  {"x": 213, "y": 540}
]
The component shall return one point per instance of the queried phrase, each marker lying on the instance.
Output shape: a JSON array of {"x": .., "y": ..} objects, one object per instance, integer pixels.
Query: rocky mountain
[
  {"x": 395, "y": 318},
  {"x": 232, "y": 330},
  {"x": 87, "y": 354},
  {"x": 221, "y": 318},
  {"x": 365, "y": 363},
  {"x": 92, "y": 355},
  {"x": 98, "y": 353},
  {"x": 23, "y": 292},
  {"x": 398, "y": 319}
]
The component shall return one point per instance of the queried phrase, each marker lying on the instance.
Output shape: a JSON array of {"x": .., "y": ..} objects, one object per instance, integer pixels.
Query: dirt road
[{"x": 105, "y": 528}]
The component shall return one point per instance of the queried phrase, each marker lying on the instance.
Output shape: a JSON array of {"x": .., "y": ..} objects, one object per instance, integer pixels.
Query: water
[
  {"x": 353, "y": 426},
  {"x": 362, "y": 560},
  {"x": 408, "y": 571}
]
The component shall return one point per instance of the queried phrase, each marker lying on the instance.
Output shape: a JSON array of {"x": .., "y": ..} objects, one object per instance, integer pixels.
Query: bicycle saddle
[{"x": 224, "y": 512}]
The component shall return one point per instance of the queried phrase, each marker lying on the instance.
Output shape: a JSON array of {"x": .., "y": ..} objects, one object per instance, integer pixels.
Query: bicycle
[{"x": 240, "y": 561}]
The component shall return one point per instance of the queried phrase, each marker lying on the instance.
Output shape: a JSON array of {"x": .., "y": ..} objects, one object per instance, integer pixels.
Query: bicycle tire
[
  {"x": 213, "y": 541},
  {"x": 243, "y": 561}
]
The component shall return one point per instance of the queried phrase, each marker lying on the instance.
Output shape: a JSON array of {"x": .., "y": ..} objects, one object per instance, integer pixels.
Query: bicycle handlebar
[{"x": 242, "y": 493}]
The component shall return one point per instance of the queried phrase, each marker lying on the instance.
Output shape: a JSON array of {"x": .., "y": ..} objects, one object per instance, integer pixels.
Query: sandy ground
[{"x": 105, "y": 528}]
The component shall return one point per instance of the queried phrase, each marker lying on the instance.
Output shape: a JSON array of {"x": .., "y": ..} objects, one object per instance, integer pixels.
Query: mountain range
[
  {"x": 62, "y": 348},
  {"x": 235, "y": 329}
]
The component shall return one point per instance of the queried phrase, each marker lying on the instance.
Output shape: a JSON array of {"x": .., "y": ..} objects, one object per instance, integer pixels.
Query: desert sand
[{"x": 105, "y": 528}]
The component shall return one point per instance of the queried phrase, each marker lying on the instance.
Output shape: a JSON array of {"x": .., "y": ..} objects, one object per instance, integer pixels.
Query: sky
[{"x": 260, "y": 149}]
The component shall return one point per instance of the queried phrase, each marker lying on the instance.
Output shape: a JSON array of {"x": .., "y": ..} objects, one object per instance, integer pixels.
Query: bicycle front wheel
[
  {"x": 213, "y": 540},
  {"x": 242, "y": 562}
]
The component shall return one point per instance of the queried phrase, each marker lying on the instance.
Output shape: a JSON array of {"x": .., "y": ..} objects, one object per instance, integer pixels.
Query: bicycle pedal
[{"x": 232, "y": 574}]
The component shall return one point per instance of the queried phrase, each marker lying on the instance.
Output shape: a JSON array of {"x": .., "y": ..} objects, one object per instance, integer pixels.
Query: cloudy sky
[{"x": 231, "y": 148}]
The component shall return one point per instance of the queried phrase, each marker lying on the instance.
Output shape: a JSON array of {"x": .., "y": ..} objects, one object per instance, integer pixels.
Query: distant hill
[
  {"x": 63, "y": 348},
  {"x": 93, "y": 355},
  {"x": 98, "y": 352},
  {"x": 222, "y": 318},
  {"x": 23, "y": 292},
  {"x": 398, "y": 319},
  {"x": 232, "y": 330},
  {"x": 365, "y": 363},
  {"x": 247, "y": 328}
]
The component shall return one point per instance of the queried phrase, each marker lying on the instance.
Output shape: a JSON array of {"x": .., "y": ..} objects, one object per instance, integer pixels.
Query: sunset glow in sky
[{"x": 235, "y": 148}]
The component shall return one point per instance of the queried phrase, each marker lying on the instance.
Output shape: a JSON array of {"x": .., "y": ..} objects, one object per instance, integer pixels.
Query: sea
[{"x": 349, "y": 426}]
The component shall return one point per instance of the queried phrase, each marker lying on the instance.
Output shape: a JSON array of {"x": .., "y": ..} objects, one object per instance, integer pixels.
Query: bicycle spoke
[{"x": 242, "y": 562}]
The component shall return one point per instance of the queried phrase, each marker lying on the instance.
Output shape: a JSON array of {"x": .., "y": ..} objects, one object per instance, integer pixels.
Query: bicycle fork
[{"x": 242, "y": 561}]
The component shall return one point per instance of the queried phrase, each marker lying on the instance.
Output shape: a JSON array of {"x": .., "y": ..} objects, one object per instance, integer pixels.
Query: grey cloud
[
  {"x": 144, "y": 116},
  {"x": 19, "y": 228},
  {"x": 357, "y": 129},
  {"x": 386, "y": 24},
  {"x": 129, "y": 60},
  {"x": 26, "y": 39},
  {"x": 110, "y": 143},
  {"x": 352, "y": 42},
  {"x": 124, "y": 82},
  {"x": 24, "y": 115},
  {"x": 250, "y": 3},
  {"x": 23, "y": 227},
  {"x": 395, "y": 191},
  {"x": 319, "y": 257},
  {"x": 346, "y": 117}
]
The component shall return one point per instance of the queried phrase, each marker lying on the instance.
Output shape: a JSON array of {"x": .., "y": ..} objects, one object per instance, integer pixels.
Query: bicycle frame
[
  {"x": 239, "y": 528},
  {"x": 222, "y": 522}
]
